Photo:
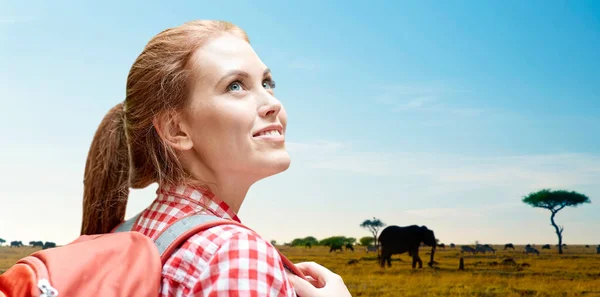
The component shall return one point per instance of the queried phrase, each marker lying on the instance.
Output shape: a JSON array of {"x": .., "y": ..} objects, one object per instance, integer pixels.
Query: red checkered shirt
[{"x": 225, "y": 260}]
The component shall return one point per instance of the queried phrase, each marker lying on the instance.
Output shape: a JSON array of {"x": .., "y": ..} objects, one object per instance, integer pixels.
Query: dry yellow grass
[{"x": 575, "y": 273}]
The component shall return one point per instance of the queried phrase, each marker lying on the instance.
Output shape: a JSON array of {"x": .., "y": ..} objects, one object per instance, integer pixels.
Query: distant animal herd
[
  {"x": 392, "y": 240},
  {"x": 43, "y": 245},
  {"x": 397, "y": 240}
]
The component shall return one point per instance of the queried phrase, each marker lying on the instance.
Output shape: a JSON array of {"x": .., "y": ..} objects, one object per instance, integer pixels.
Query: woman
[{"x": 200, "y": 118}]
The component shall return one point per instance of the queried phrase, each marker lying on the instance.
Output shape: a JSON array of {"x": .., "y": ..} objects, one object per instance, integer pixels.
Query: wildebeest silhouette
[
  {"x": 484, "y": 249},
  {"x": 442, "y": 245},
  {"x": 36, "y": 243},
  {"x": 452, "y": 245},
  {"x": 467, "y": 249},
  {"x": 371, "y": 248},
  {"x": 398, "y": 240},
  {"x": 509, "y": 246},
  {"x": 531, "y": 250},
  {"x": 587, "y": 246},
  {"x": 16, "y": 243},
  {"x": 508, "y": 261},
  {"x": 49, "y": 244},
  {"x": 335, "y": 247},
  {"x": 546, "y": 247}
]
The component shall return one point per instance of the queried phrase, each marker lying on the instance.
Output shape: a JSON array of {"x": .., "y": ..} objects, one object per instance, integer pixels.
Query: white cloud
[
  {"x": 458, "y": 172},
  {"x": 414, "y": 103},
  {"x": 431, "y": 98},
  {"x": 447, "y": 213}
]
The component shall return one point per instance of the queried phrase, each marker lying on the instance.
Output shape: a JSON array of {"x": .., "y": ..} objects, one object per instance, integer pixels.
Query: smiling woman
[{"x": 201, "y": 119}]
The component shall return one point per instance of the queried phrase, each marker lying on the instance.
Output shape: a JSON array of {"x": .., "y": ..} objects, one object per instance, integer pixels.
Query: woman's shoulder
[
  {"x": 230, "y": 248},
  {"x": 208, "y": 242}
]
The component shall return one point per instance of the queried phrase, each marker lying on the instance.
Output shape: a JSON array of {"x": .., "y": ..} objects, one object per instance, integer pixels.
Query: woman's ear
[{"x": 170, "y": 129}]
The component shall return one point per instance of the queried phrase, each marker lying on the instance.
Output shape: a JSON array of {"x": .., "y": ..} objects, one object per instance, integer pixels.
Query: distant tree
[
  {"x": 297, "y": 242},
  {"x": 337, "y": 240},
  {"x": 366, "y": 241},
  {"x": 273, "y": 242},
  {"x": 373, "y": 226},
  {"x": 555, "y": 201},
  {"x": 310, "y": 240},
  {"x": 2, "y": 241}
]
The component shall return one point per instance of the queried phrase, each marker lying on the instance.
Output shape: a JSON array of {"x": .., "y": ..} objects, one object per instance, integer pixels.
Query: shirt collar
[{"x": 198, "y": 198}]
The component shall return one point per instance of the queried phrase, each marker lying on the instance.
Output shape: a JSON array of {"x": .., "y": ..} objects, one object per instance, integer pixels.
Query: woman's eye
[
  {"x": 268, "y": 84},
  {"x": 235, "y": 86}
]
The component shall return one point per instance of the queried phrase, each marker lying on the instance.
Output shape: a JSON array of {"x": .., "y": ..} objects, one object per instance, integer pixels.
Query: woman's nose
[{"x": 270, "y": 106}]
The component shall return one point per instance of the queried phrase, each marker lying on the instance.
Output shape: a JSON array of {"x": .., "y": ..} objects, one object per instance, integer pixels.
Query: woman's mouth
[{"x": 273, "y": 134}]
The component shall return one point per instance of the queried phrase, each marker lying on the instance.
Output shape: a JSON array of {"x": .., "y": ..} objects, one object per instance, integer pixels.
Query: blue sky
[{"x": 418, "y": 112}]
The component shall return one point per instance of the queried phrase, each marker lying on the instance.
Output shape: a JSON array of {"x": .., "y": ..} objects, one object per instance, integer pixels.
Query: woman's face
[{"x": 236, "y": 124}]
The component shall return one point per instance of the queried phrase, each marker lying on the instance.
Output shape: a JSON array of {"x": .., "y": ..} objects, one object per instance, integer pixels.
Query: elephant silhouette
[
  {"x": 398, "y": 240},
  {"x": 349, "y": 247}
]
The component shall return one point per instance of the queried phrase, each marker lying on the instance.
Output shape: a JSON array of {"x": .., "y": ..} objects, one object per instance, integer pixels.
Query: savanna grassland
[{"x": 575, "y": 273}]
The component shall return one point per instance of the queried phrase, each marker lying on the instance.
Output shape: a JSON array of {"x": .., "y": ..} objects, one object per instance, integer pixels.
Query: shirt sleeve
[{"x": 244, "y": 265}]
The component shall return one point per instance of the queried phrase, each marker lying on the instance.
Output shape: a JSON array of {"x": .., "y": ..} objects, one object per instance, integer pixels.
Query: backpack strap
[
  {"x": 171, "y": 238},
  {"x": 180, "y": 231},
  {"x": 177, "y": 233},
  {"x": 127, "y": 225}
]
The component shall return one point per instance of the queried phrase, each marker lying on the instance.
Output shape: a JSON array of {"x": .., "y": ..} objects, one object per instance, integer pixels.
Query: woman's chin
[{"x": 276, "y": 163}]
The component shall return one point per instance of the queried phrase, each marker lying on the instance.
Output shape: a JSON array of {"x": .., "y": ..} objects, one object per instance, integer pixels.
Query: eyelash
[{"x": 269, "y": 81}]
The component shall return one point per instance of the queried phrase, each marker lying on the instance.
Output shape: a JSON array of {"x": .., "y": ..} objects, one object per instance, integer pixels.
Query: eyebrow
[{"x": 240, "y": 73}]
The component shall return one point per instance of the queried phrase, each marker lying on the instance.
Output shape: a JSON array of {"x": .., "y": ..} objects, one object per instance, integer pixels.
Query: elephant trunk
[{"x": 432, "y": 253}]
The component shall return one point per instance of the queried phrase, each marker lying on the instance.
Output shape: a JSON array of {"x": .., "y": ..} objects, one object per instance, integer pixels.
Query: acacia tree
[
  {"x": 555, "y": 201},
  {"x": 2, "y": 241},
  {"x": 373, "y": 226}
]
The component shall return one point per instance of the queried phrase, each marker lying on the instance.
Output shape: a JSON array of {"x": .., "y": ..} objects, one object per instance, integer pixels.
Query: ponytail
[{"x": 106, "y": 176}]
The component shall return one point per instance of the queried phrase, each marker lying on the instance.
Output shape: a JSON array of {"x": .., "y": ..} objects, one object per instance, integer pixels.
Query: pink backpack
[{"x": 121, "y": 263}]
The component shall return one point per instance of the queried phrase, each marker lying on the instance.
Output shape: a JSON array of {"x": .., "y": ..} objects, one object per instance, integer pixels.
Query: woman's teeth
[{"x": 270, "y": 132}]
